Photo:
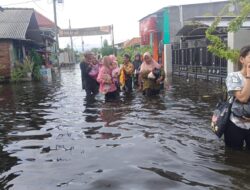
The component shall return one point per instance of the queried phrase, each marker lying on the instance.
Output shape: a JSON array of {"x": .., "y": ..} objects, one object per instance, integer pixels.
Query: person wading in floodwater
[
  {"x": 106, "y": 80},
  {"x": 137, "y": 65},
  {"x": 128, "y": 71},
  {"x": 152, "y": 75},
  {"x": 238, "y": 85},
  {"x": 90, "y": 85}
]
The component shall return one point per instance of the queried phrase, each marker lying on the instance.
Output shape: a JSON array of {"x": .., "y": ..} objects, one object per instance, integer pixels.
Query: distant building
[
  {"x": 190, "y": 56},
  {"x": 134, "y": 42},
  {"x": 21, "y": 30},
  {"x": 160, "y": 28},
  {"x": 47, "y": 31}
]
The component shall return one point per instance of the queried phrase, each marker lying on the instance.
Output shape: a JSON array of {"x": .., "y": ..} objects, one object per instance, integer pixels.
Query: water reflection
[
  {"x": 52, "y": 132},
  {"x": 7, "y": 161},
  {"x": 21, "y": 120}
]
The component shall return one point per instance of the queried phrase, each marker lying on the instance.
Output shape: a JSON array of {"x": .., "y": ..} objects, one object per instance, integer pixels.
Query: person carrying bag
[
  {"x": 237, "y": 132},
  {"x": 221, "y": 116}
]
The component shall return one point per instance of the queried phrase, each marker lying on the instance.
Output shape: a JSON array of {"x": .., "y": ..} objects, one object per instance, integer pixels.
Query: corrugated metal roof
[{"x": 14, "y": 23}]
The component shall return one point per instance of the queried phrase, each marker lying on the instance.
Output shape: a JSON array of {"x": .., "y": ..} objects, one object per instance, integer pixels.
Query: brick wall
[{"x": 5, "y": 64}]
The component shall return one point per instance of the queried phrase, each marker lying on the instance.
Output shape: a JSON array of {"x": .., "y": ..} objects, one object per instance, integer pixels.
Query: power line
[{"x": 39, "y": 6}]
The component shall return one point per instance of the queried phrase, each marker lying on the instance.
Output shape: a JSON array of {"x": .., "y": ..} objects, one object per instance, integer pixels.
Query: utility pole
[
  {"x": 101, "y": 42},
  {"x": 112, "y": 33},
  {"x": 82, "y": 45},
  {"x": 71, "y": 43},
  {"x": 56, "y": 33}
]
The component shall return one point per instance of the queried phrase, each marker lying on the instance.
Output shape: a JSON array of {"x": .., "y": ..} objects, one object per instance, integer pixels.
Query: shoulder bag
[{"x": 221, "y": 116}]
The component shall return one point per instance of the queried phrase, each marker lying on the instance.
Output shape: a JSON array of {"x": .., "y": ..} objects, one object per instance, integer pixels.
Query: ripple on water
[{"x": 52, "y": 136}]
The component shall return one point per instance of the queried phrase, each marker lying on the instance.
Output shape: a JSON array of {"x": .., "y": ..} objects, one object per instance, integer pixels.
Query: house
[
  {"x": 190, "y": 55},
  {"x": 159, "y": 29},
  {"x": 47, "y": 32},
  {"x": 22, "y": 30},
  {"x": 136, "y": 41}
]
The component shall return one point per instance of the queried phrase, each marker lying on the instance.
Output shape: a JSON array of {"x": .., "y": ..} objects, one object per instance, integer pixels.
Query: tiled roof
[
  {"x": 44, "y": 22},
  {"x": 14, "y": 23},
  {"x": 132, "y": 42}
]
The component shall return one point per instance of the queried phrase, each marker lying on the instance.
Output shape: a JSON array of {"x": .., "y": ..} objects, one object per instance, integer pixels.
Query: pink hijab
[
  {"x": 113, "y": 58},
  {"x": 149, "y": 66}
]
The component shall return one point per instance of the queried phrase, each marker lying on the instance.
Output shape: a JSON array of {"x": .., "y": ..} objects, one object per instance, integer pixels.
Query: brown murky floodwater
[{"x": 52, "y": 137}]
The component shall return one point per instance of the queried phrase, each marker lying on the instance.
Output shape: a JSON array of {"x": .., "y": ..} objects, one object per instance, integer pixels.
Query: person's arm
[
  {"x": 100, "y": 78},
  {"x": 244, "y": 94},
  {"x": 235, "y": 88},
  {"x": 162, "y": 76},
  {"x": 144, "y": 74},
  {"x": 82, "y": 75},
  {"x": 103, "y": 77}
]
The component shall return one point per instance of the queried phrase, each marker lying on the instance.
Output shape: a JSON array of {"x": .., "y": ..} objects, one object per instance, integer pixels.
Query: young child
[
  {"x": 115, "y": 71},
  {"x": 95, "y": 66}
]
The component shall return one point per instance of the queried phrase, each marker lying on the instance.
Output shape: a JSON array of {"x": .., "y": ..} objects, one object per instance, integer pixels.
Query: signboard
[{"x": 92, "y": 31}]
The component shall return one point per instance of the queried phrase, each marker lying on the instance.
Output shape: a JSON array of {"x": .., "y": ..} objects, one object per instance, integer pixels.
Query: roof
[
  {"x": 170, "y": 6},
  {"x": 192, "y": 30},
  {"x": 14, "y": 23},
  {"x": 44, "y": 22},
  {"x": 225, "y": 20},
  {"x": 198, "y": 25},
  {"x": 132, "y": 42}
]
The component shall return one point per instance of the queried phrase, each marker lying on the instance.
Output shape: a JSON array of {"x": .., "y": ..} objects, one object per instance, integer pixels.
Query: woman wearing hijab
[
  {"x": 152, "y": 75},
  {"x": 107, "y": 84}
]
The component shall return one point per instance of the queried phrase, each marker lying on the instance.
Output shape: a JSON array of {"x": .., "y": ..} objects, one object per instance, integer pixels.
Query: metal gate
[{"x": 197, "y": 62}]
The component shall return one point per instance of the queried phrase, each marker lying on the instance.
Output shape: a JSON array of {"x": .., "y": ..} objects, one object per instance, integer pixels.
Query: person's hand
[
  {"x": 158, "y": 81},
  {"x": 246, "y": 118},
  {"x": 248, "y": 70},
  {"x": 108, "y": 80},
  {"x": 140, "y": 88}
]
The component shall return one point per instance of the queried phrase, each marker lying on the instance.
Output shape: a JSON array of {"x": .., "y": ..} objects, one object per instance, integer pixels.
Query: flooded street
[{"x": 52, "y": 137}]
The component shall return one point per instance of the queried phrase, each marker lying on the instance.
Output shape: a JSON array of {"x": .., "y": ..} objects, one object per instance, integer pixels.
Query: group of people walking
[{"x": 109, "y": 78}]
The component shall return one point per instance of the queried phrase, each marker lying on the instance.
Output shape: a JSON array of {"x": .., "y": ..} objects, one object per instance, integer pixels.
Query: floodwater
[{"x": 52, "y": 137}]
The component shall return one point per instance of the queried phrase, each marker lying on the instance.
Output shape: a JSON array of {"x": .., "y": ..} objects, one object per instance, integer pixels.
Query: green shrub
[
  {"x": 37, "y": 60},
  {"x": 17, "y": 73}
]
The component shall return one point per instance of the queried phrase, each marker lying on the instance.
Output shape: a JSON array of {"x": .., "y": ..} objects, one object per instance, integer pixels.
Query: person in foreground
[
  {"x": 152, "y": 75},
  {"x": 238, "y": 85}
]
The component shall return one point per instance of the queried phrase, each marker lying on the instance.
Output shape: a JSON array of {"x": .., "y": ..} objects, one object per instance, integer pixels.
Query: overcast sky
[{"x": 123, "y": 14}]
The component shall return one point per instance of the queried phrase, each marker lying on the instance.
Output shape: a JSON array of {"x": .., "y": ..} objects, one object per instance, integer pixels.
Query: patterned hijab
[{"x": 150, "y": 65}]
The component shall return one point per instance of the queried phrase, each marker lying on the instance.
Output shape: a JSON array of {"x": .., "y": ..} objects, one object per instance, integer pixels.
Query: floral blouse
[{"x": 235, "y": 82}]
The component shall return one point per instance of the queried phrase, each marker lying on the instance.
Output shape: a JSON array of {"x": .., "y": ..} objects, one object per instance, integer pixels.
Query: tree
[
  {"x": 132, "y": 51},
  {"x": 95, "y": 50},
  {"x": 217, "y": 46},
  {"x": 106, "y": 49}
]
